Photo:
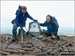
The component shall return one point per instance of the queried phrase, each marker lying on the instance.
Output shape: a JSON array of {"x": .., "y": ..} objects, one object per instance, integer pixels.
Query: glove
[
  {"x": 53, "y": 37},
  {"x": 35, "y": 21}
]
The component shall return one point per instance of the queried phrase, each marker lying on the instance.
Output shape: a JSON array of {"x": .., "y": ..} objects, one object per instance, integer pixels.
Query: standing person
[
  {"x": 52, "y": 26},
  {"x": 20, "y": 20}
]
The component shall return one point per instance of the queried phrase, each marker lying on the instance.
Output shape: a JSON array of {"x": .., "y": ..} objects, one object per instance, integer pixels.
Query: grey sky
[{"x": 62, "y": 10}]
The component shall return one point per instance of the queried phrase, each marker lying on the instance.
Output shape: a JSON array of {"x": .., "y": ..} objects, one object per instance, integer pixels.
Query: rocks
[
  {"x": 5, "y": 53},
  {"x": 15, "y": 46},
  {"x": 37, "y": 43},
  {"x": 35, "y": 46}
]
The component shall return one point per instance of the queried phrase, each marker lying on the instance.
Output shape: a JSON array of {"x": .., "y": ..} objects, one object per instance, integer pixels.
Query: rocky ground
[{"x": 35, "y": 46}]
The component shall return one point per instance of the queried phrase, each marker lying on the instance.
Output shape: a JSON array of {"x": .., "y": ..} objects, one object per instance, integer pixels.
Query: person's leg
[
  {"x": 14, "y": 31},
  {"x": 47, "y": 33},
  {"x": 56, "y": 34},
  {"x": 50, "y": 29},
  {"x": 19, "y": 31}
]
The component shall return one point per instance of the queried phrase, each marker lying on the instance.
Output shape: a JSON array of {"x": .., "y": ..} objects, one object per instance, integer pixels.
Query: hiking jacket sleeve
[
  {"x": 43, "y": 24},
  {"x": 30, "y": 16},
  {"x": 17, "y": 18}
]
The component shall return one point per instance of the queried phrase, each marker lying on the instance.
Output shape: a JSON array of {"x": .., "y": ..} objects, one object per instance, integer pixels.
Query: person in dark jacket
[
  {"x": 52, "y": 26},
  {"x": 20, "y": 21}
]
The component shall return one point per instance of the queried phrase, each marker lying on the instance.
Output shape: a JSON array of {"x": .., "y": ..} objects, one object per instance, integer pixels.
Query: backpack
[
  {"x": 54, "y": 21},
  {"x": 18, "y": 10}
]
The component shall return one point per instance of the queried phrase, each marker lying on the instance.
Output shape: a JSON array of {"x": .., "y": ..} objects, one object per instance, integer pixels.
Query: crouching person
[
  {"x": 52, "y": 26},
  {"x": 20, "y": 21}
]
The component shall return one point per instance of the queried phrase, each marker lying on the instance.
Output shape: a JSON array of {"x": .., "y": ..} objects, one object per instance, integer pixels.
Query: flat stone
[
  {"x": 3, "y": 52},
  {"x": 28, "y": 55},
  {"x": 53, "y": 51},
  {"x": 15, "y": 46},
  {"x": 4, "y": 45},
  {"x": 13, "y": 55},
  {"x": 27, "y": 45},
  {"x": 36, "y": 50},
  {"x": 37, "y": 43},
  {"x": 27, "y": 49}
]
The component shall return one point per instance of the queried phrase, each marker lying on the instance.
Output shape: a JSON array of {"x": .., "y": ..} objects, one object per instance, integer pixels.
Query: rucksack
[
  {"x": 19, "y": 9},
  {"x": 54, "y": 21}
]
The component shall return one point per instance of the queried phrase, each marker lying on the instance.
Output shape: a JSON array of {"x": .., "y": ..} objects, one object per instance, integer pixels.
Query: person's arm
[
  {"x": 16, "y": 19},
  {"x": 29, "y": 16},
  {"x": 42, "y": 24}
]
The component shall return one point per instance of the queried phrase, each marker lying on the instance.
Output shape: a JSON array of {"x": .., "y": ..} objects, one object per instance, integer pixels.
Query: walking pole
[{"x": 22, "y": 35}]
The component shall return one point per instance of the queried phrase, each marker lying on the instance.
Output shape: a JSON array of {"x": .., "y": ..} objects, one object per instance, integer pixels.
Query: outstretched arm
[
  {"x": 42, "y": 24},
  {"x": 29, "y": 16}
]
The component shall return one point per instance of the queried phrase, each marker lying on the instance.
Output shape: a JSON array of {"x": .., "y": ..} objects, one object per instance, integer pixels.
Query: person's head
[
  {"x": 48, "y": 18},
  {"x": 24, "y": 9}
]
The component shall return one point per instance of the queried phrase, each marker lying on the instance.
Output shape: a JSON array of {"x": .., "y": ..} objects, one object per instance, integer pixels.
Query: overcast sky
[{"x": 62, "y": 10}]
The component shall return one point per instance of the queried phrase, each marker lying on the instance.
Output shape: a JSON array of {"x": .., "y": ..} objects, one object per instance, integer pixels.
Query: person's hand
[
  {"x": 21, "y": 26},
  {"x": 53, "y": 37},
  {"x": 35, "y": 21},
  {"x": 38, "y": 23}
]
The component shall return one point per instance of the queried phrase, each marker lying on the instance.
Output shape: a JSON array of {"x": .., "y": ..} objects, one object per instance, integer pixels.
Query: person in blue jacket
[
  {"x": 20, "y": 21},
  {"x": 52, "y": 26}
]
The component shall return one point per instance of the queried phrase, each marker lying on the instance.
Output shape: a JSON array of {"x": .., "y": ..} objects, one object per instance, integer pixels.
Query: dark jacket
[
  {"x": 51, "y": 27},
  {"x": 21, "y": 18}
]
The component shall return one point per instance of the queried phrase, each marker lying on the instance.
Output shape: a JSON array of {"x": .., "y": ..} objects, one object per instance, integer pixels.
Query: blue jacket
[
  {"x": 21, "y": 18},
  {"x": 51, "y": 27}
]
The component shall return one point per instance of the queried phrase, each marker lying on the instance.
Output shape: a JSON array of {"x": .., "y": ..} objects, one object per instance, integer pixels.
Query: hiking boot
[
  {"x": 58, "y": 38},
  {"x": 13, "y": 40}
]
